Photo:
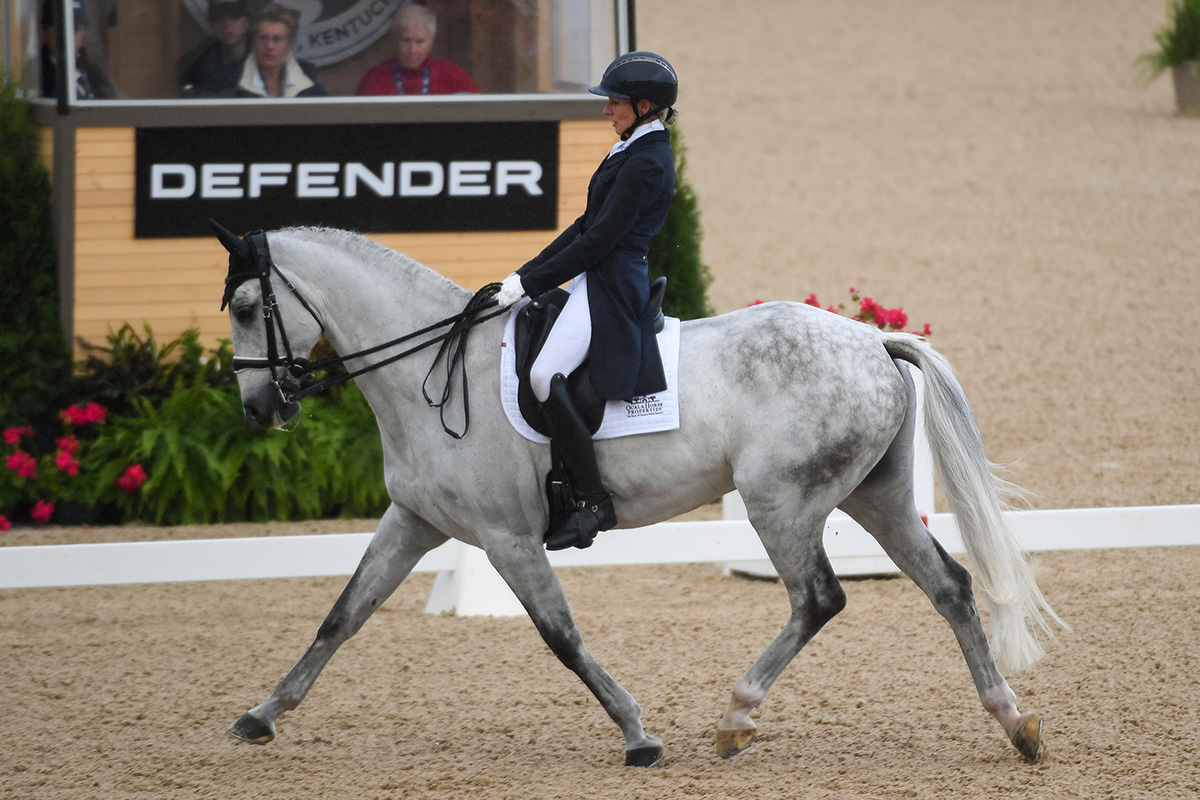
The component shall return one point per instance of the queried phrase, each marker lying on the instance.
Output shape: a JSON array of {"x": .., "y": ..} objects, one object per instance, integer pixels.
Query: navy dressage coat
[{"x": 627, "y": 203}]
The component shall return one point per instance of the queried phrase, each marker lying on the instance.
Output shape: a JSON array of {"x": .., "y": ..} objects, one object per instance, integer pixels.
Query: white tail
[{"x": 978, "y": 500}]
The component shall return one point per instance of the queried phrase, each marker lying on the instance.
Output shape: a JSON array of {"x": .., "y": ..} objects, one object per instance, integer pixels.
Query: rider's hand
[{"x": 511, "y": 291}]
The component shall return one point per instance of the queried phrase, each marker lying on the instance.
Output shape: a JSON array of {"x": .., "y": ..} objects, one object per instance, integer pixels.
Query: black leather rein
[{"x": 292, "y": 374}]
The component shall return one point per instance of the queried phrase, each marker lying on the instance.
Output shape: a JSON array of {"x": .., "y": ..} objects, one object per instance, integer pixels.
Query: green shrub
[
  {"x": 35, "y": 361},
  {"x": 1178, "y": 41},
  {"x": 131, "y": 366},
  {"x": 182, "y": 452},
  {"x": 675, "y": 251}
]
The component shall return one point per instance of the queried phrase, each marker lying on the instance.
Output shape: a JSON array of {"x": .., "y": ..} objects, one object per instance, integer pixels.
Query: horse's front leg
[
  {"x": 524, "y": 566},
  {"x": 399, "y": 542}
]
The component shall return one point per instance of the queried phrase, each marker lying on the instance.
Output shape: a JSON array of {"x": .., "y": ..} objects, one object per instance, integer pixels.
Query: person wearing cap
[
  {"x": 603, "y": 254},
  {"x": 215, "y": 71},
  {"x": 91, "y": 79},
  {"x": 412, "y": 70},
  {"x": 271, "y": 70}
]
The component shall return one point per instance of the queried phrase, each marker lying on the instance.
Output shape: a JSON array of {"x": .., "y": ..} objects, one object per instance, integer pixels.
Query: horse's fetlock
[{"x": 748, "y": 695}]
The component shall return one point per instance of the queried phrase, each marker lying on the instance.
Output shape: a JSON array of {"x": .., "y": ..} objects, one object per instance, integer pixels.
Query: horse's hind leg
[
  {"x": 398, "y": 544},
  {"x": 815, "y": 596},
  {"x": 883, "y": 504},
  {"x": 524, "y": 566}
]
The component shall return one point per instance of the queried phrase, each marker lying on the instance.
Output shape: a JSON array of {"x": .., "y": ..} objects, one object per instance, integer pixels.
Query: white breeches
[{"x": 567, "y": 345}]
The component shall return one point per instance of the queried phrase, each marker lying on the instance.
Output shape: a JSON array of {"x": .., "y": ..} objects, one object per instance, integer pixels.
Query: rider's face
[{"x": 620, "y": 111}]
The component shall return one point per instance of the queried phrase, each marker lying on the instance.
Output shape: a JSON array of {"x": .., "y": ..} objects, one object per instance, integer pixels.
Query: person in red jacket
[{"x": 412, "y": 70}]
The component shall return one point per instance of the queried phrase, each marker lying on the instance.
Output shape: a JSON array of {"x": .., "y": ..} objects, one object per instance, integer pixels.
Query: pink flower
[
  {"x": 132, "y": 479},
  {"x": 926, "y": 331},
  {"x": 41, "y": 511},
  {"x": 5, "y": 525},
  {"x": 66, "y": 463},
  {"x": 68, "y": 444},
  {"x": 13, "y": 435},
  {"x": 23, "y": 464}
]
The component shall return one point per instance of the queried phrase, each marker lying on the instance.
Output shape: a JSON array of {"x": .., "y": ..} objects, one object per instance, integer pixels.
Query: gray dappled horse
[{"x": 801, "y": 410}]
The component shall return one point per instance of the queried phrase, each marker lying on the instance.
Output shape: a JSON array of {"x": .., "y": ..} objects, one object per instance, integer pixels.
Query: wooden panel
[
  {"x": 45, "y": 148},
  {"x": 175, "y": 284}
]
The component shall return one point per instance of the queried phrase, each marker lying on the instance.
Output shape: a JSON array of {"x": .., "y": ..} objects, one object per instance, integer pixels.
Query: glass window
[{"x": 150, "y": 49}]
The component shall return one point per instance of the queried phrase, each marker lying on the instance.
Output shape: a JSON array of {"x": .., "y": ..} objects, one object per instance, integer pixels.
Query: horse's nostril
[{"x": 253, "y": 414}]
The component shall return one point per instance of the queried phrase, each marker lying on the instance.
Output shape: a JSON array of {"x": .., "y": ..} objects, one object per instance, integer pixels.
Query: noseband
[{"x": 293, "y": 375}]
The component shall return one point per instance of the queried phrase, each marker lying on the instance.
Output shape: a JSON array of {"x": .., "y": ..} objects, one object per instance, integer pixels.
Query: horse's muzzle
[{"x": 269, "y": 409}]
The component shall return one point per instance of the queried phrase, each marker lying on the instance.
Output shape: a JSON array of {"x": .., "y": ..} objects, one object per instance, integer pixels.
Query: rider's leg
[
  {"x": 565, "y": 349},
  {"x": 567, "y": 343},
  {"x": 592, "y": 510}
]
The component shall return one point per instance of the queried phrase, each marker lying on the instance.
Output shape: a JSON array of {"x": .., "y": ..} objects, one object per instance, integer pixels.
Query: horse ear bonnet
[{"x": 249, "y": 257}]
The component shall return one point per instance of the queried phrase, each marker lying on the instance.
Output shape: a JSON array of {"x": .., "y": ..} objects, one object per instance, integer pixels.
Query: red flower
[
  {"x": 132, "y": 479},
  {"x": 4, "y": 524},
  {"x": 23, "y": 464},
  {"x": 926, "y": 331},
  {"x": 66, "y": 463},
  {"x": 812, "y": 300},
  {"x": 68, "y": 444},
  {"x": 13, "y": 435},
  {"x": 41, "y": 511},
  {"x": 754, "y": 303},
  {"x": 92, "y": 412}
]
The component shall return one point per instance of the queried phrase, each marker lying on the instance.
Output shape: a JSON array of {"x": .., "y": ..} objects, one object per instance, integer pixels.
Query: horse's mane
[{"x": 368, "y": 252}]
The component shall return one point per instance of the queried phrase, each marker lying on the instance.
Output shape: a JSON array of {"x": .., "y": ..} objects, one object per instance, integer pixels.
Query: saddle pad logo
[{"x": 330, "y": 30}]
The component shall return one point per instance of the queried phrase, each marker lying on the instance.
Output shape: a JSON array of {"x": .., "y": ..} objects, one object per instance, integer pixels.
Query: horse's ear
[{"x": 231, "y": 241}]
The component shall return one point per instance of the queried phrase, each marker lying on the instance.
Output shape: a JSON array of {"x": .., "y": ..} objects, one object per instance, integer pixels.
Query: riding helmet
[{"x": 640, "y": 75}]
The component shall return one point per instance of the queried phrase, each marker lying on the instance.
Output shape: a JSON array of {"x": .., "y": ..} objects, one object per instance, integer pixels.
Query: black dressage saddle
[{"x": 532, "y": 327}]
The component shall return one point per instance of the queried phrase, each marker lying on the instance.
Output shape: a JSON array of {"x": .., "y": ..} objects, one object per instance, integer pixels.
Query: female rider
[{"x": 603, "y": 255}]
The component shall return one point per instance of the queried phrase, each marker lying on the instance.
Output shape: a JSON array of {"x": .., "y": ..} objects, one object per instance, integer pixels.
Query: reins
[{"x": 289, "y": 373}]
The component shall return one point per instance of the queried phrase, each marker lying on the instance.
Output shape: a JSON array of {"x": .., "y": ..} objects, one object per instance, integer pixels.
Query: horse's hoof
[
  {"x": 249, "y": 728},
  {"x": 730, "y": 742},
  {"x": 646, "y": 756},
  {"x": 1027, "y": 737}
]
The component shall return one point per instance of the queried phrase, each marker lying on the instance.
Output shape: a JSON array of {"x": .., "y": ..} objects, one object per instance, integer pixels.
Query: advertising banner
[{"x": 430, "y": 177}]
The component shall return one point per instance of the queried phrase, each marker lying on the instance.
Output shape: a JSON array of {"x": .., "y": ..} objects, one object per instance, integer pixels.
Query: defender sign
[{"x": 368, "y": 178}]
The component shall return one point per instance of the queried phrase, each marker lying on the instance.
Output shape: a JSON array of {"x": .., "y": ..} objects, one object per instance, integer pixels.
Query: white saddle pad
[{"x": 649, "y": 414}]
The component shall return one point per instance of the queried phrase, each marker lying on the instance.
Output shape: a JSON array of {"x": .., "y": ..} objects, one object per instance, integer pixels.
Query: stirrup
[{"x": 585, "y": 519}]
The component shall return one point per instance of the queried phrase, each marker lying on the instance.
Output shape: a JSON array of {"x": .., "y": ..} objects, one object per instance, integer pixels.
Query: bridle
[{"x": 293, "y": 375}]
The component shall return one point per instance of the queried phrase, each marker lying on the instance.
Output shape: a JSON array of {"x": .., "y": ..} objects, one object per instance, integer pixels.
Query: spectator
[
  {"x": 217, "y": 68},
  {"x": 91, "y": 79},
  {"x": 271, "y": 70},
  {"x": 412, "y": 70}
]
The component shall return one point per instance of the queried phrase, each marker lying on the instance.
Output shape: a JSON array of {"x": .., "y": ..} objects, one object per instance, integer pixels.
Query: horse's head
[{"x": 268, "y": 330}]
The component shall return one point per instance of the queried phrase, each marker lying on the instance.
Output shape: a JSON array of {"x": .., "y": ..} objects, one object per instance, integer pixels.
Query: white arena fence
[{"x": 466, "y": 583}]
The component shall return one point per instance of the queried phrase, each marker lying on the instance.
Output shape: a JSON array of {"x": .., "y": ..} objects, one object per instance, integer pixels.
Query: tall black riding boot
[{"x": 592, "y": 509}]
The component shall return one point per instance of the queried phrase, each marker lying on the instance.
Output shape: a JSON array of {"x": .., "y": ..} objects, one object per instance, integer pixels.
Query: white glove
[{"x": 511, "y": 291}]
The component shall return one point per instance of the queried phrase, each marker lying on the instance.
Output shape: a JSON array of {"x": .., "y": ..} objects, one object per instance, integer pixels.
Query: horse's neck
[{"x": 369, "y": 295}]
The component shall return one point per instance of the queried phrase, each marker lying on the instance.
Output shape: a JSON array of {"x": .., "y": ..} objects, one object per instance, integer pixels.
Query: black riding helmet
[{"x": 641, "y": 75}]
